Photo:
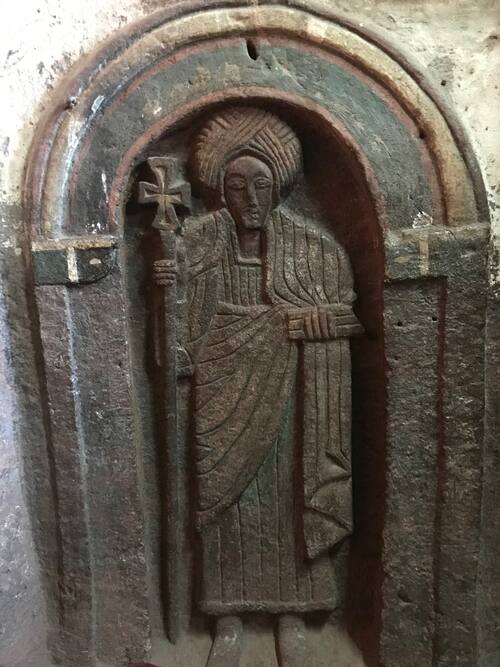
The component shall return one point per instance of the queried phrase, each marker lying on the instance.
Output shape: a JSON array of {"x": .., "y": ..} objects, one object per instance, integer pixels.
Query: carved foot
[
  {"x": 292, "y": 649},
  {"x": 226, "y": 649}
]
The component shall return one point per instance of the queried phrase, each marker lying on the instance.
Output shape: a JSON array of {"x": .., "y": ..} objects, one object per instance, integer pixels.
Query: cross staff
[
  {"x": 166, "y": 194},
  {"x": 169, "y": 192}
]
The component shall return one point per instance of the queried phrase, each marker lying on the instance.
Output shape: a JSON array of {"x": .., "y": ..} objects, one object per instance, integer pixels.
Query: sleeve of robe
[
  {"x": 320, "y": 275},
  {"x": 327, "y": 444}
]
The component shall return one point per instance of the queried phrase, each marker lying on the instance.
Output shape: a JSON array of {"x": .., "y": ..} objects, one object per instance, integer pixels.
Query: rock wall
[{"x": 455, "y": 44}]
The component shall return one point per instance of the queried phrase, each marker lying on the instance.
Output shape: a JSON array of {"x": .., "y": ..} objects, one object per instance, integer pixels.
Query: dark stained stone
[{"x": 187, "y": 368}]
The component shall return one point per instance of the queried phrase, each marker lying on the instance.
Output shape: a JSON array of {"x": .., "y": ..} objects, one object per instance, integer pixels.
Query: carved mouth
[{"x": 252, "y": 219}]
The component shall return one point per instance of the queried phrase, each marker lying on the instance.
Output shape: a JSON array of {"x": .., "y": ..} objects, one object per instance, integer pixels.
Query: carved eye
[
  {"x": 236, "y": 183},
  {"x": 262, "y": 183}
]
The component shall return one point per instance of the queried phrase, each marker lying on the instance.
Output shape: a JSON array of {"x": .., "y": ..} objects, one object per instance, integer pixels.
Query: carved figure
[{"x": 266, "y": 317}]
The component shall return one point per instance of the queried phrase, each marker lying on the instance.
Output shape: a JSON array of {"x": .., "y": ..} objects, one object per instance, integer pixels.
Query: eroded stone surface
[{"x": 459, "y": 48}]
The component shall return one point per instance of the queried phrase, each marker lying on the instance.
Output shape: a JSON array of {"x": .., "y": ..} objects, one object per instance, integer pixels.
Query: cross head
[{"x": 168, "y": 192}]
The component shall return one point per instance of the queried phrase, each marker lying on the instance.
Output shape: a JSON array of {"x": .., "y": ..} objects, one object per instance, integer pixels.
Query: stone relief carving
[
  {"x": 382, "y": 151},
  {"x": 257, "y": 311}
]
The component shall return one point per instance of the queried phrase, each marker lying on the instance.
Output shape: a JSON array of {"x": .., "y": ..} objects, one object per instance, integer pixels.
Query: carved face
[{"x": 248, "y": 189}]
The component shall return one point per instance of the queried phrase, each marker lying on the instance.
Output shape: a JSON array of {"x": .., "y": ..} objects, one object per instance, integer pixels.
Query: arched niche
[{"x": 388, "y": 171}]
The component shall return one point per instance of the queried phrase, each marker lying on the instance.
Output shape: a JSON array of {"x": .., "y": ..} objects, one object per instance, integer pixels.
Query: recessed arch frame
[{"x": 131, "y": 91}]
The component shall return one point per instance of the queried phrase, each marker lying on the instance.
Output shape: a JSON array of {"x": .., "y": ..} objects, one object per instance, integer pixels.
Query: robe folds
[{"x": 272, "y": 415}]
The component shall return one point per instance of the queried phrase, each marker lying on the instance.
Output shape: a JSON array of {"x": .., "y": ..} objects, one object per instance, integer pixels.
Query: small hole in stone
[
  {"x": 399, "y": 323},
  {"x": 434, "y": 318},
  {"x": 422, "y": 134},
  {"x": 404, "y": 597},
  {"x": 444, "y": 82},
  {"x": 252, "y": 49}
]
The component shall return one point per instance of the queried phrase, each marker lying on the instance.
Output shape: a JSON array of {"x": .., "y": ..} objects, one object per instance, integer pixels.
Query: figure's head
[
  {"x": 250, "y": 157},
  {"x": 248, "y": 191}
]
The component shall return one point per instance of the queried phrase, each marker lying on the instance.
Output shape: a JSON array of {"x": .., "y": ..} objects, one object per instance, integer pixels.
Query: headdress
[{"x": 238, "y": 130}]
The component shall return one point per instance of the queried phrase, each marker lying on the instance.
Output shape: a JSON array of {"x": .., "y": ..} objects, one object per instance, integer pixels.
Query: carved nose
[{"x": 252, "y": 195}]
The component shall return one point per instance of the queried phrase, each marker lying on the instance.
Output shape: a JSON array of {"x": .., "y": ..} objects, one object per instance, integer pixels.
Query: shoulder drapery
[
  {"x": 246, "y": 368},
  {"x": 243, "y": 381},
  {"x": 203, "y": 244}
]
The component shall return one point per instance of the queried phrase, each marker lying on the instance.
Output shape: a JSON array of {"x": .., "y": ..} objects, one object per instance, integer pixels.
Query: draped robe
[{"x": 272, "y": 415}]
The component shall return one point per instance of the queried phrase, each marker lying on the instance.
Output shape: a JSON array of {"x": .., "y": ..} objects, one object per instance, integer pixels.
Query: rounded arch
[
  {"x": 99, "y": 114},
  {"x": 318, "y": 115}
]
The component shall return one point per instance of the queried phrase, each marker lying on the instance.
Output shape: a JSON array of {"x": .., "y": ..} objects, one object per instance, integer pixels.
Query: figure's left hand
[{"x": 322, "y": 323}]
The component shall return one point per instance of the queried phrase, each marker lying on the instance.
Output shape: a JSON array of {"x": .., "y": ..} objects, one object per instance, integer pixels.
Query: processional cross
[{"x": 168, "y": 193}]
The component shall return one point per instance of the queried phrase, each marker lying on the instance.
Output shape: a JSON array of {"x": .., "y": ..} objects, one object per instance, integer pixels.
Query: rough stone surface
[
  {"x": 409, "y": 539},
  {"x": 113, "y": 480},
  {"x": 488, "y": 602},
  {"x": 457, "y": 45},
  {"x": 22, "y": 608},
  {"x": 452, "y": 404}
]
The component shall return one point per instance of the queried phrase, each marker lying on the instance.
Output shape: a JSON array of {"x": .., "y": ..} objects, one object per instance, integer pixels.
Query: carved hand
[
  {"x": 164, "y": 272},
  {"x": 322, "y": 323}
]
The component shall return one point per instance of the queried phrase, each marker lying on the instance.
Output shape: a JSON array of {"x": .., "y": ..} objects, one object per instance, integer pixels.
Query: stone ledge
[{"x": 73, "y": 261}]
